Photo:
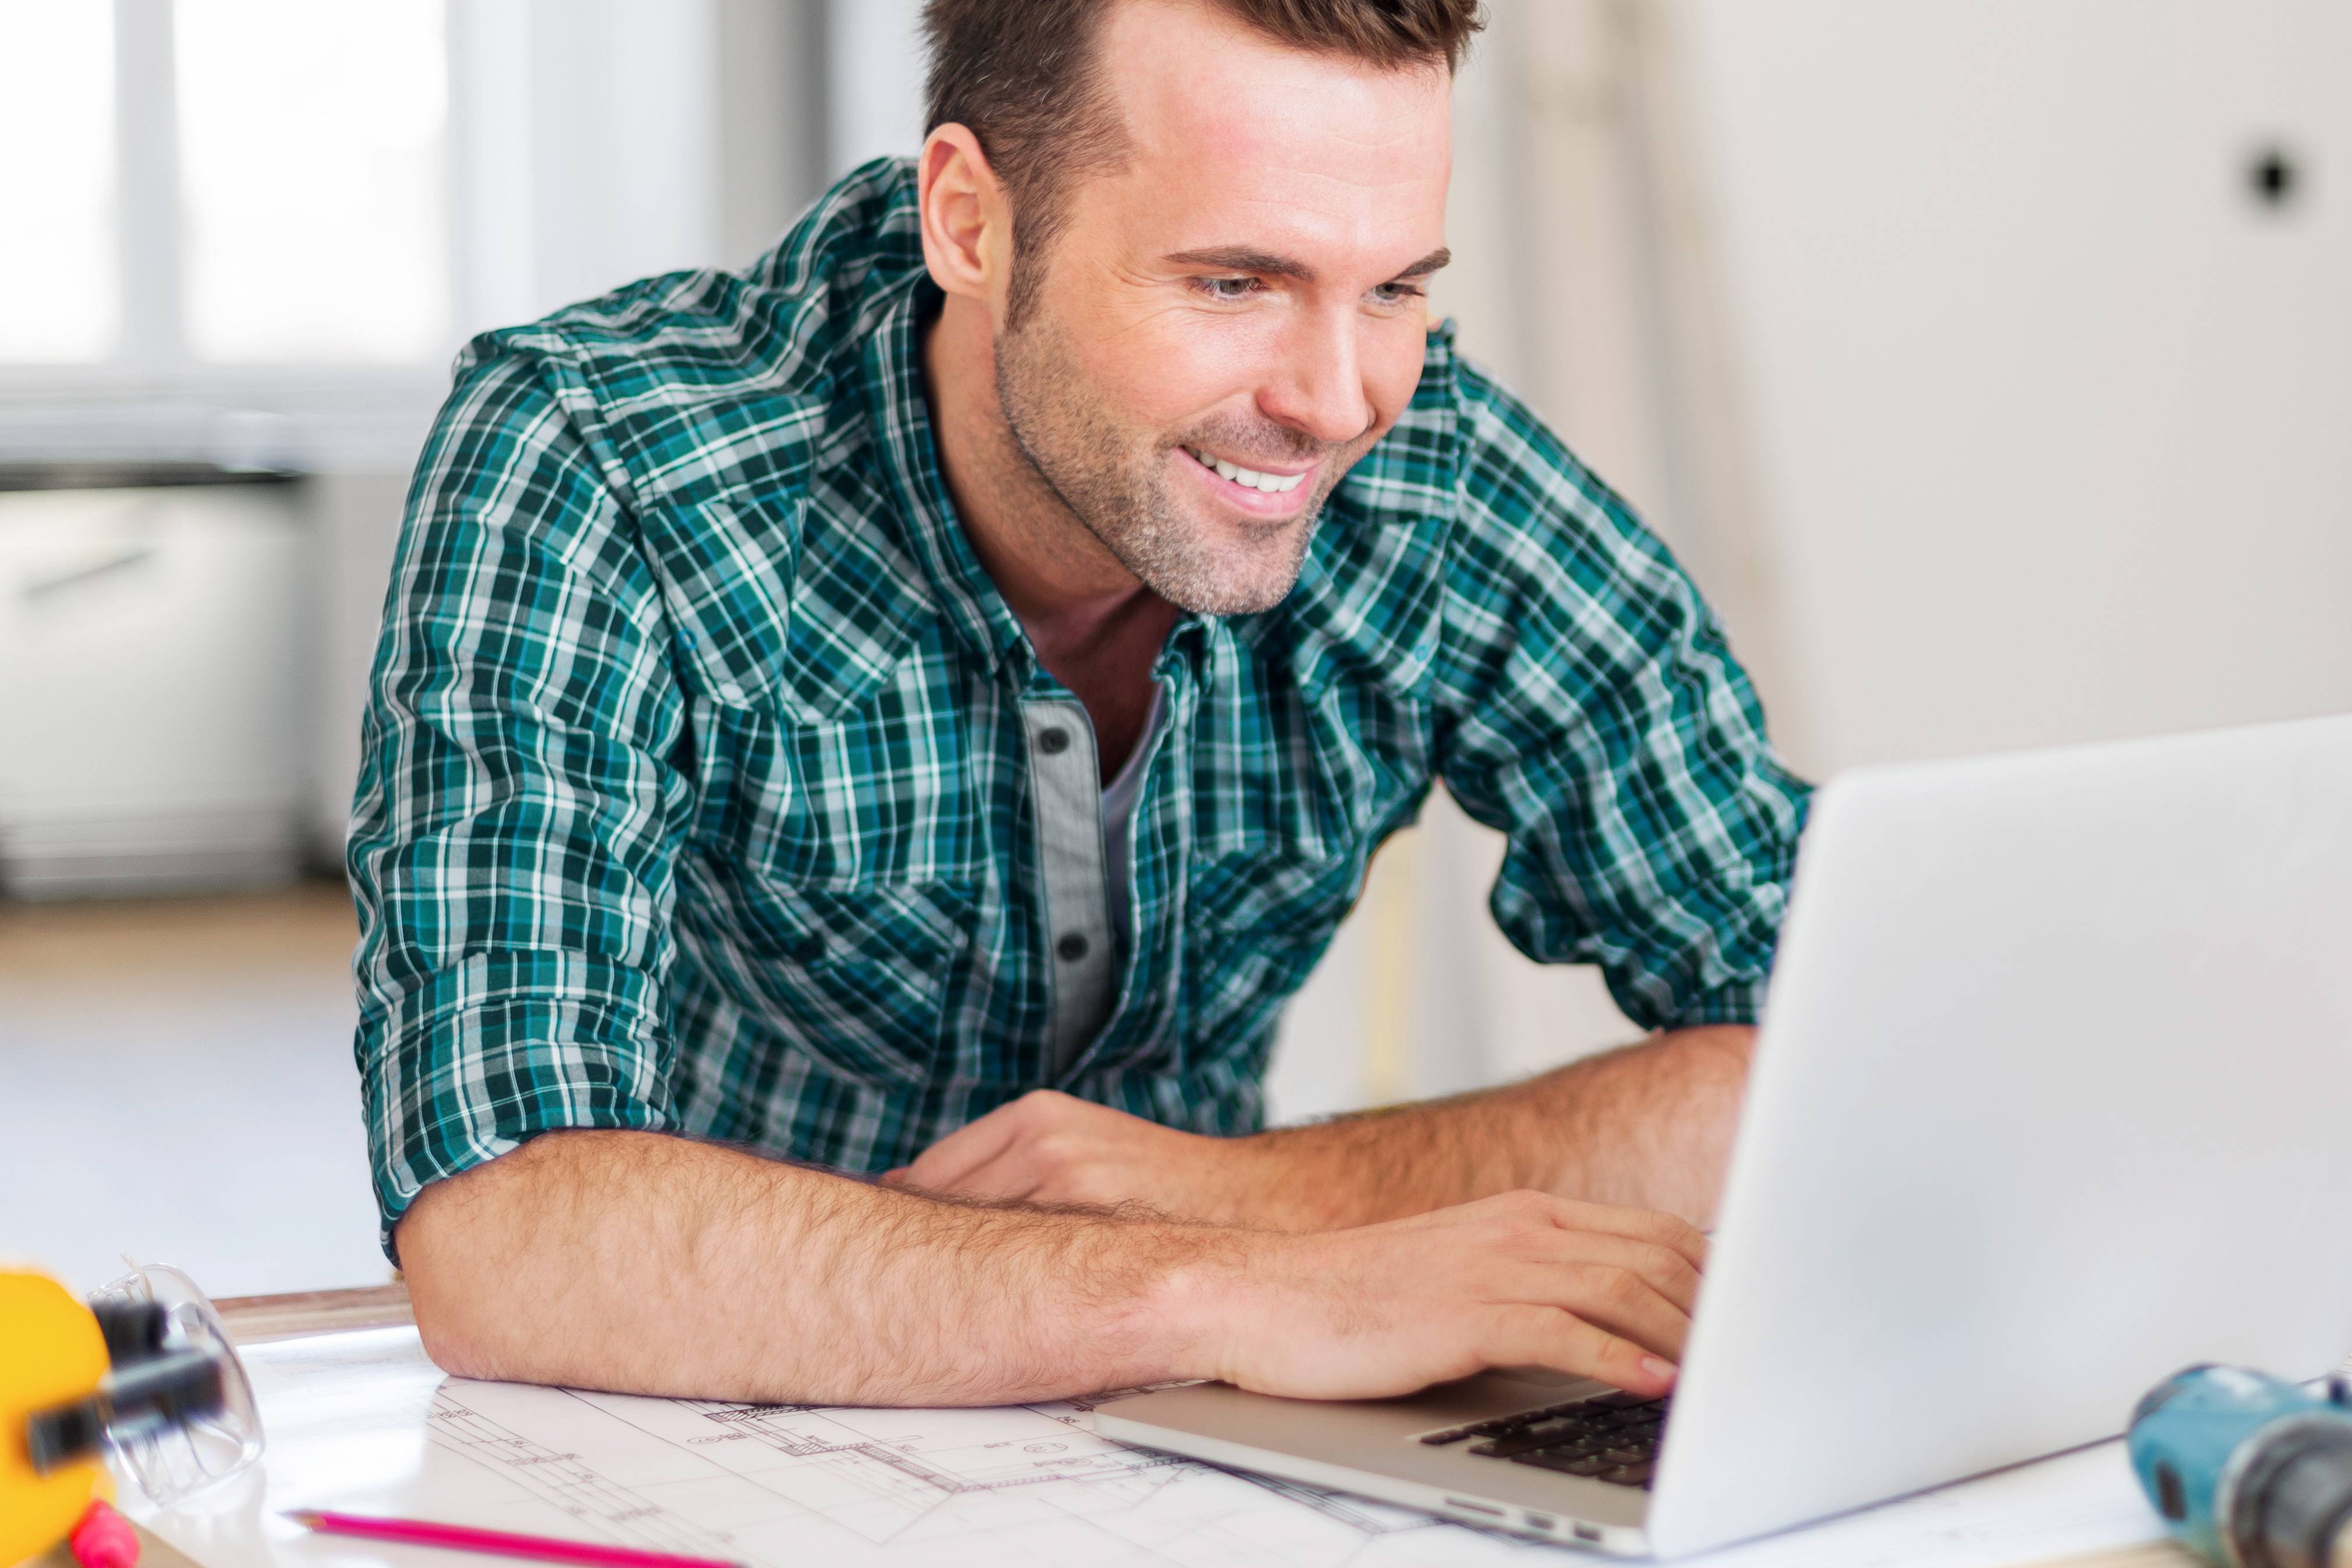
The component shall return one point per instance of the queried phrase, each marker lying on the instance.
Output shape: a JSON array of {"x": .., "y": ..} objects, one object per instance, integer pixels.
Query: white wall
[
  {"x": 875, "y": 107},
  {"x": 772, "y": 129},
  {"x": 2053, "y": 416},
  {"x": 587, "y": 137}
]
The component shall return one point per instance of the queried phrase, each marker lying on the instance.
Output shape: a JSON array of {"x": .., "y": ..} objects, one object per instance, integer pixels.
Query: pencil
[{"x": 500, "y": 1543}]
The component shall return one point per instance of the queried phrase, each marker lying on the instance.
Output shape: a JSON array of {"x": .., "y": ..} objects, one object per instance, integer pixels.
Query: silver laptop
[{"x": 2054, "y": 1098}]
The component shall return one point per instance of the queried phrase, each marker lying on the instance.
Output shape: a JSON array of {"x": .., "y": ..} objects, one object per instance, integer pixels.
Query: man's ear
[{"x": 967, "y": 219}]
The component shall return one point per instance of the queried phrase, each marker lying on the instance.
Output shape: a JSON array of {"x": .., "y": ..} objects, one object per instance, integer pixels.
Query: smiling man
[{"x": 863, "y": 750}]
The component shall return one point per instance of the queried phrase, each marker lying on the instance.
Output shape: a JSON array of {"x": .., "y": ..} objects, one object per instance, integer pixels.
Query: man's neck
[{"x": 1093, "y": 626}]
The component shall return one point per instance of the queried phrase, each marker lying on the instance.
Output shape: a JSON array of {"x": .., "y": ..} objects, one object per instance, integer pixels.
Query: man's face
[{"x": 1232, "y": 318}]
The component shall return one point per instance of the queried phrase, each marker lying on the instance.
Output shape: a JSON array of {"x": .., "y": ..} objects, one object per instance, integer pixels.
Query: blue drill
[{"x": 2250, "y": 1469}]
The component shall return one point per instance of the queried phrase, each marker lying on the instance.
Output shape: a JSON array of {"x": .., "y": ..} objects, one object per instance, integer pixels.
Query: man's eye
[
  {"x": 1228, "y": 289},
  {"x": 1396, "y": 293}
]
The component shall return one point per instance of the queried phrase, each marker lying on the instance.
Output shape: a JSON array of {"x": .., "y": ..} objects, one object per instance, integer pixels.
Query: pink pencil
[{"x": 463, "y": 1538}]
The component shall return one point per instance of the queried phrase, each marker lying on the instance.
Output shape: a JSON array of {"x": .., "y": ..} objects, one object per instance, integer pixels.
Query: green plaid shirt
[{"x": 698, "y": 790}]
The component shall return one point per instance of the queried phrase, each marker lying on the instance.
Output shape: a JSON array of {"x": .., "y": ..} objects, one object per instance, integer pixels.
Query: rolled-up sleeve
[
  {"x": 1591, "y": 711},
  {"x": 516, "y": 820}
]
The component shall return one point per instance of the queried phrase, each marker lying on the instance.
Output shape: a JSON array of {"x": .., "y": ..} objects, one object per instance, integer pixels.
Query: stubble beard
[{"x": 1119, "y": 489}]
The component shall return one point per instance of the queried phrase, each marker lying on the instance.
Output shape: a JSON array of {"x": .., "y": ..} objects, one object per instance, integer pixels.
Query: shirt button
[
  {"x": 1053, "y": 741},
  {"x": 1073, "y": 947}
]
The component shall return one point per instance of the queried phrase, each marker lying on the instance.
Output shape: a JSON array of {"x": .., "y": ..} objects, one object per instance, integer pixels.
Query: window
[
  {"x": 223, "y": 181},
  {"x": 311, "y": 159},
  {"x": 59, "y": 288}
]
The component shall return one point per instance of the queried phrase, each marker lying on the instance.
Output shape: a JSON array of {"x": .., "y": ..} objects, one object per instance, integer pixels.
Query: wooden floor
[
  {"x": 176, "y": 1082},
  {"x": 306, "y": 930}
]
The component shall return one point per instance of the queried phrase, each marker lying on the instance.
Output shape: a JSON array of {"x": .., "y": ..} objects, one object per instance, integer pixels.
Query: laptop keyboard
[{"x": 1610, "y": 1437}]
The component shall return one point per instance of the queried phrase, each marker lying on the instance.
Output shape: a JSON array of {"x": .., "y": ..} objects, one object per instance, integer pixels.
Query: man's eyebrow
[
  {"x": 1428, "y": 264},
  {"x": 1266, "y": 264},
  {"x": 1242, "y": 259}
]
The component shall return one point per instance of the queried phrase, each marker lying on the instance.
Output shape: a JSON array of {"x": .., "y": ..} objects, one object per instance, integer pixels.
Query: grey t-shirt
[{"x": 1118, "y": 819}]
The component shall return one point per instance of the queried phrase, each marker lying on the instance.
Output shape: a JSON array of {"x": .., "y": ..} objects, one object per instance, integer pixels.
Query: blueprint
[
  {"x": 786, "y": 1484},
  {"x": 365, "y": 1424}
]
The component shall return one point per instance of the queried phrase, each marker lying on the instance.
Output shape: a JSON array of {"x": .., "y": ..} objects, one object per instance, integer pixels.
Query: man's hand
[
  {"x": 1052, "y": 1148},
  {"x": 1521, "y": 1280}
]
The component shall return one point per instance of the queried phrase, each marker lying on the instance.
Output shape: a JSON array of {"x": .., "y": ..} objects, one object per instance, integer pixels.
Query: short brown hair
[{"x": 1021, "y": 76}]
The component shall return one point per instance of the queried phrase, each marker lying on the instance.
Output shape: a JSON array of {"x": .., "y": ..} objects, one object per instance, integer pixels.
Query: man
[{"x": 977, "y": 652}]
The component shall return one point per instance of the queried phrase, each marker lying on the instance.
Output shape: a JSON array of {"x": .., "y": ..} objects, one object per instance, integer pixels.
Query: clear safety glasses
[{"x": 173, "y": 1462}]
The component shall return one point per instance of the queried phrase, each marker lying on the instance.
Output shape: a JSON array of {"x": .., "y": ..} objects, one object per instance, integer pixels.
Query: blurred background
[{"x": 1988, "y": 361}]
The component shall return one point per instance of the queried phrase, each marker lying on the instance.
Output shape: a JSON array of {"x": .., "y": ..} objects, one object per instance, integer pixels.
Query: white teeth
[{"x": 1273, "y": 484}]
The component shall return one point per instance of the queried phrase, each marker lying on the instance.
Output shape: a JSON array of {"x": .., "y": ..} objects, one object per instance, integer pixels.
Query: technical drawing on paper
[{"x": 787, "y": 1485}]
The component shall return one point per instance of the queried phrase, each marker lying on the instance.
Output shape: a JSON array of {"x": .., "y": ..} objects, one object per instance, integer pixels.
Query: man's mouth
[{"x": 1249, "y": 478}]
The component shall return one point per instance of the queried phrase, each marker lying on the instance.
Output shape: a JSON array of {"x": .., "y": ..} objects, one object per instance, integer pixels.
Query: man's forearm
[
  {"x": 1646, "y": 1126},
  {"x": 646, "y": 1264}
]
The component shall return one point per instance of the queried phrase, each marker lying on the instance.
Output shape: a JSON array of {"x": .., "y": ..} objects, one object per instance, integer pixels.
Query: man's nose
[{"x": 1319, "y": 390}]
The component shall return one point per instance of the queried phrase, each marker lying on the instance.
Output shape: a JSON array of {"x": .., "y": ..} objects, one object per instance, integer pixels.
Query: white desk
[{"x": 349, "y": 1415}]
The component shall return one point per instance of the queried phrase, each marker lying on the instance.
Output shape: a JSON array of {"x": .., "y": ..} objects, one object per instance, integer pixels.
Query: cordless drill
[{"x": 2250, "y": 1469}]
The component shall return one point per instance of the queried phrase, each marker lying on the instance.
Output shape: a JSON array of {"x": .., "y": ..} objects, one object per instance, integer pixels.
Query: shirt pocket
[
  {"x": 1257, "y": 921},
  {"x": 861, "y": 976},
  {"x": 840, "y": 880}
]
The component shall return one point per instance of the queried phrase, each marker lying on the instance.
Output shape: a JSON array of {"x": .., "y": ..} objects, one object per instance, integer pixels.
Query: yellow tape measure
[{"x": 52, "y": 1353}]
